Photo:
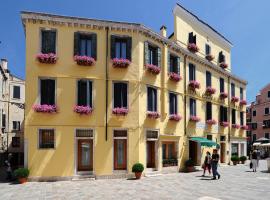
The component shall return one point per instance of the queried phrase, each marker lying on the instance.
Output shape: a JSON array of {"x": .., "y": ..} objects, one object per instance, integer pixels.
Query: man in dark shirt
[{"x": 215, "y": 159}]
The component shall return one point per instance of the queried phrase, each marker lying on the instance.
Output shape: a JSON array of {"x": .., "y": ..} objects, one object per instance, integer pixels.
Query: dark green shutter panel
[
  {"x": 44, "y": 42},
  {"x": 76, "y": 43},
  {"x": 194, "y": 39},
  {"x": 113, "y": 46},
  {"x": 94, "y": 45},
  {"x": 178, "y": 65},
  {"x": 129, "y": 48},
  {"x": 169, "y": 62},
  {"x": 158, "y": 57},
  {"x": 53, "y": 42},
  {"x": 146, "y": 53}
]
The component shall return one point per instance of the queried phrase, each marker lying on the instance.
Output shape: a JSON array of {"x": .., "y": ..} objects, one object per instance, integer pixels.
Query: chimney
[
  {"x": 4, "y": 64},
  {"x": 163, "y": 31}
]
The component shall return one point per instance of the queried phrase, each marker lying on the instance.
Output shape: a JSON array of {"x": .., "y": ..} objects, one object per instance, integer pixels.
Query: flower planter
[
  {"x": 175, "y": 117},
  {"x": 244, "y": 127},
  {"x": 84, "y": 60},
  {"x": 153, "y": 69},
  {"x": 210, "y": 91},
  {"x": 120, "y": 62},
  {"x": 153, "y": 115},
  {"x": 194, "y": 119},
  {"x": 138, "y": 175},
  {"x": 210, "y": 57},
  {"x": 174, "y": 77},
  {"x": 193, "y": 47},
  {"x": 120, "y": 111},
  {"x": 235, "y": 162},
  {"x": 22, "y": 180},
  {"x": 47, "y": 58},
  {"x": 223, "y": 95},
  {"x": 45, "y": 108},
  {"x": 236, "y": 126},
  {"x": 224, "y": 124},
  {"x": 82, "y": 110},
  {"x": 234, "y": 99},
  {"x": 243, "y": 102},
  {"x": 211, "y": 122},
  {"x": 193, "y": 85},
  {"x": 190, "y": 169},
  {"x": 223, "y": 65}
]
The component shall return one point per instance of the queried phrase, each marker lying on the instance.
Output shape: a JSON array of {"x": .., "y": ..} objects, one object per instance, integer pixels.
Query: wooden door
[
  {"x": 85, "y": 155},
  {"x": 222, "y": 152},
  {"x": 151, "y": 154},
  {"x": 193, "y": 151},
  {"x": 120, "y": 154}
]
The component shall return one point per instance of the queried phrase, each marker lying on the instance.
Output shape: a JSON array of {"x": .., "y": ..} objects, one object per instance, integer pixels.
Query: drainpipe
[
  {"x": 185, "y": 95},
  {"x": 107, "y": 67},
  {"x": 229, "y": 117}
]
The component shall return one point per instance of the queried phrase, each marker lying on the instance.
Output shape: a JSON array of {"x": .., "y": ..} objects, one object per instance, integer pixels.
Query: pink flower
[
  {"x": 194, "y": 85},
  {"x": 223, "y": 65},
  {"x": 153, "y": 114},
  {"x": 175, "y": 117},
  {"x": 174, "y": 76},
  {"x": 84, "y": 60},
  {"x": 83, "y": 110},
  {"x": 153, "y": 68},
  {"x": 120, "y": 111},
  {"x": 223, "y": 95},
  {"x": 235, "y": 126},
  {"x": 45, "y": 108},
  {"x": 224, "y": 124},
  {"x": 211, "y": 122},
  {"x": 193, "y": 47},
  {"x": 243, "y": 102},
  {"x": 234, "y": 99},
  {"x": 244, "y": 127},
  {"x": 209, "y": 57},
  {"x": 120, "y": 62},
  {"x": 210, "y": 91},
  {"x": 194, "y": 118},
  {"x": 49, "y": 58}
]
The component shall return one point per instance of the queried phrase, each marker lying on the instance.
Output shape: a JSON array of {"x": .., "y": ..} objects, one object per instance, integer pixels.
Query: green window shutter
[
  {"x": 159, "y": 57},
  {"x": 94, "y": 46},
  {"x": 146, "y": 53},
  {"x": 129, "y": 48},
  {"x": 169, "y": 62},
  {"x": 76, "y": 43},
  {"x": 113, "y": 46},
  {"x": 178, "y": 65}
]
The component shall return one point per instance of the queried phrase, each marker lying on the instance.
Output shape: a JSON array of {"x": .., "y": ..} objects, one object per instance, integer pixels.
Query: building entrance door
[
  {"x": 222, "y": 152},
  {"x": 150, "y": 154},
  {"x": 193, "y": 151},
  {"x": 85, "y": 155}
]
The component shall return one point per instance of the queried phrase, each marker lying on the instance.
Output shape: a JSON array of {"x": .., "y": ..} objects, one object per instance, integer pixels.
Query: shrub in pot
[
  {"x": 243, "y": 159},
  {"x": 22, "y": 174},
  {"x": 189, "y": 164},
  {"x": 138, "y": 169},
  {"x": 235, "y": 160}
]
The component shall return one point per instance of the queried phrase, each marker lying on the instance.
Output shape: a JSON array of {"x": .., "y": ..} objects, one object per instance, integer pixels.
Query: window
[
  {"x": 16, "y": 125},
  {"x": 268, "y": 94},
  {"x": 169, "y": 154},
  {"x": 241, "y": 118},
  {"x": 221, "y": 57},
  {"x": 174, "y": 64},
  {"x": 223, "y": 115},
  {"x": 85, "y": 44},
  {"x": 151, "y": 99},
  {"x": 47, "y": 91},
  {"x": 207, "y": 49},
  {"x": 266, "y": 111},
  {"x": 209, "y": 137},
  {"x": 191, "y": 38},
  {"x": 16, "y": 92},
  {"x": 120, "y": 95},
  {"x": 3, "y": 120},
  {"x": 48, "y": 41},
  {"x": 233, "y": 116},
  {"x": 254, "y": 126},
  {"x": 232, "y": 90},
  {"x": 221, "y": 85},
  {"x": 121, "y": 47},
  {"x": 152, "y": 54},
  {"x": 254, "y": 137},
  {"x": 254, "y": 113},
  {"x": 241, "y": 94},
  {"x": 266, "y": 135},
  {"x": 173, "y": 103},
  {"x": 266, "y": 123},
  {"x": 208, "y": 110},
  {"x": 192, "y": 107},
  {"x": 208, "y": 79},
  {"x": 192, "y": 72},
  {"x": 84, "y": 93},
  {"x": 46, "y": 139},
  {"x": 222, "y": 138},
  {"x": 15, "y": 142}
]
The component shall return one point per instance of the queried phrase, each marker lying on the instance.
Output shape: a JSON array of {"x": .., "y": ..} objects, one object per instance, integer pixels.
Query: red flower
[
  {"x": 193, "y": 47},
  {"x": 49, "y": 58},
  {"x": 243, "y": 102},
  {"x": 175, "y": 117},
  {"x": 83, "y": 110},
  {"x": 120, "y": 111},
  {"x": 210, "y": 91},
  {"x": 211, "y": 122},
  {"x": 223, "y": 95},
  {"x": 120, "y": 62},
  {"x": 153, "y": 114},
  {"x": 174, "y": 76},
  {"x": 235, "y": 126},
  {"x": 194, "y": 118},
  {"x": 84, "y": 60},
  {"x": 44, "y": 108},
  {"x": 224, "y": 124},
  {"x": 234, "y": 99},
  {"x": 244, "y": 127},
  {"x": 153, "y": 68},
  {"x": 194, "y": 85}
]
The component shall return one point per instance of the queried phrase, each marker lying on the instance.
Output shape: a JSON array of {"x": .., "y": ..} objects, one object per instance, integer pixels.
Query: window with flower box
[
  {"x": 208, "y": 79},
  {"x": 208, "y": 110},
  {"x": 232, "y": 89},
  {"x": 192, "y": 72},
  {"x": 48, "y": 41},
  {"x": 173, "y": 63},
  {"x": 84, "y": 93},
  {"x": 191, "y": 38},
  {"x": 121, "y": 47},
  {"x": 151, "y": 99},
  {"x": 120, "y": 95},
  {"x": 152, "y": 54},
  {"x": 223, "y": 114},
  {"x": 207, "y": 49},
  {"x": 46, "y": 138},
  {"x": 173, "y": 103},
  {"x": 85, "y": 44},
  {"x": 47, "y": 92},
  {"x": 233, "y": 116},
  {"x": 221, "y": 85},
  {"x": 241, "y": 118},
  {"x": 221, "y": 57},
  {"x": 192, "y": 107},
  {"x": 241, "y": 93}
]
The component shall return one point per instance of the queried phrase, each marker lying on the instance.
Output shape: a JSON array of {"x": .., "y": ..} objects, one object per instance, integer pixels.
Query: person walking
[
  {"x": 254, "y": 160},
  {"x": 207, "y": 163},
  {"x": 258, "y": 156},
  {"x": 215, "y": 159}
]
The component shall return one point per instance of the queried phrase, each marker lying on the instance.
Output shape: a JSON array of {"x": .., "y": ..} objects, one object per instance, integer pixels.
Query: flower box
[
  {"x": 244, "y": 127},
  {"x": 48, "y": 58},
  {"x": 224, "y": 124},
  {"x": 193, "y": 85},
  {"x": 45, "y": 108},
  {"x": 84, "y": 60},
  {"x": 175, "y": 117},
  {"x": 223, "y": 95},
  {"x": 194, "y": 118},
  {"x": 211, "y": 122},
  {"x": 235, "y": 126},
  {"x": 243, "y": 102},
  {"x": 210, "y": 91},
  {"x": 193, "y": 47},
  {"x": 209, "y": 57},
  {"x": 153, "y": 68},
  {"x": 83, "y": 110},
  {"x": 120, "y": 62},
  {"x": 153, "y": 114},
  {"x": 174, "y": 76},
  {"x": 234, "y": 99},
  {"x": 120, "y": 111},
  {"x": 223, "y": 65}
]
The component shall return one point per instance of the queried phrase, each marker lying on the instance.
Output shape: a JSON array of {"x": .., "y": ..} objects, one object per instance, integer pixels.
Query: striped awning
[{"x": 204, "y": 142}]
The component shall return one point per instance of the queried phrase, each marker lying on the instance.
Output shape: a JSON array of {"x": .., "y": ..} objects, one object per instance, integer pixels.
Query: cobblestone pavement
[{"x": 237, "y": 182}]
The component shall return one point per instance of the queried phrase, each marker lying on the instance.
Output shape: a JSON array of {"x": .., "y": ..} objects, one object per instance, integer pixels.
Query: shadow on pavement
[{"x": 265, "y": 171}]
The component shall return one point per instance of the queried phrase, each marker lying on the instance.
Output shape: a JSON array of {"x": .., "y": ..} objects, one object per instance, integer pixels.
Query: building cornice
[{"x": 51, "y": 19}]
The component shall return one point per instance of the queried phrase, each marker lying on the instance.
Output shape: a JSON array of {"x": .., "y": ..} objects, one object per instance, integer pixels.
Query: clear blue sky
[{"x": 244, "y": 22}]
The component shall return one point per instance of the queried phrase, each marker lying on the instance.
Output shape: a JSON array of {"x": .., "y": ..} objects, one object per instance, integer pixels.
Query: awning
[
  {"x": 204, "y": 141},
  {"x": 266, "y": 145},
  {"x": 256, "y": 144}
]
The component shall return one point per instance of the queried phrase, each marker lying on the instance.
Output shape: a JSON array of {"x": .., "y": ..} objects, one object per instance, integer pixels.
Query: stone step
[{"x": 83, "y": 178}]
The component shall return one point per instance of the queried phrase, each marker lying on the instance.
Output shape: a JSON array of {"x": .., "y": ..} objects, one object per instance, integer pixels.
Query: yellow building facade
[{"x": 133, "y": 107}]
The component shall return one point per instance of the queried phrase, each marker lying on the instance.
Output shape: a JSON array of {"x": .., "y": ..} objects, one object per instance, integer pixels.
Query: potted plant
[
  {"x": 235, "y": 160},
  {"x": 243, "y": 159},
  {"x": 138, "y": 168},
  {"x": 22, "y": 174},
  {"x": 210, "y": 91},
  {"x": 193, "y": 85},
  {"x": 189, "y": 164},
  {"x": 174, "y": 76},
  {"x": 209, "y": 57},
  {"x": 153, "y": 69},
  {"x": 223, "y": 95},
  {"x": 193, "y": 47}
]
